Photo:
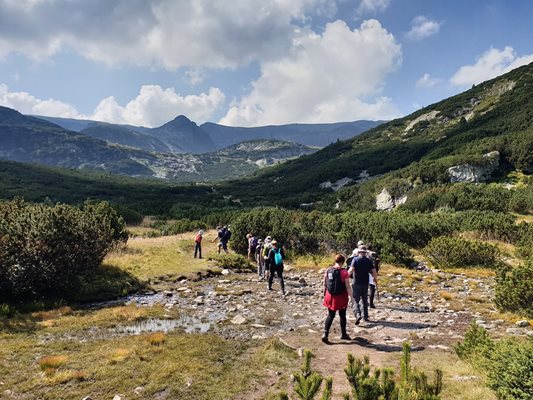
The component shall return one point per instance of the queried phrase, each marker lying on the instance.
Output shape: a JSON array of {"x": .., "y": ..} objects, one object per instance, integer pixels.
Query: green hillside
[{"x": 496, "y": 115}]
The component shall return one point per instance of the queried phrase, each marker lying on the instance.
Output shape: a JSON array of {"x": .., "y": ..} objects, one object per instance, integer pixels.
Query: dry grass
[
  {"x": 156, "y": 338},
  {"x": 448, "y": 296},
  {"x": 119, "y": 355},
  {"x": 62, "y": 377},
  {"x": 52, "y": 362},
  {"x": 148, "y": 258}
]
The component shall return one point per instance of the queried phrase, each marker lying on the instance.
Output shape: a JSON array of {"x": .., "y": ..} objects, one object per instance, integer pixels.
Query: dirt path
[{"x": 430, "y": 309}]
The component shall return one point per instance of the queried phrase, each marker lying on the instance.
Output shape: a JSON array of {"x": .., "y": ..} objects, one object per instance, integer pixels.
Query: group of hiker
[
  {"x": 350, "y": 282},
  {"x": 353, "y": 280},
  {"x": 268, "y": 254},
  {"x": 223, "y": 237}
]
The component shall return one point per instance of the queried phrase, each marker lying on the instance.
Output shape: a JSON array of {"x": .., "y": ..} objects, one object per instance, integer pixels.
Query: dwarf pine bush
[
  {"x": 44, "y": 250},
  {"x": 456, "y": 252},
  {"x": 514, "y": 288}
]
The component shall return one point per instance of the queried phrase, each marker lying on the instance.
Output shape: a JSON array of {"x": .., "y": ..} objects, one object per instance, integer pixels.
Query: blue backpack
[{"x": 278, "y": 259}]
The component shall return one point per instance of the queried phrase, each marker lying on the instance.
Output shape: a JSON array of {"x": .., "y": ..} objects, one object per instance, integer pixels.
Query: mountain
[
  {"x": 77, "y": 125},
  {"x": 494, "y": 117},
  {"x": 122, "y": 135},
  {"x": 32, "y": 140},
  {"x": 318, "y": 135},
  {"x": 183, "y": 136}
]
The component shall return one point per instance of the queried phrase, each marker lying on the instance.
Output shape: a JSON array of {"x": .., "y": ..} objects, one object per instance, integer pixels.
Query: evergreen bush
[
  {"x": 456, "y": 252},
  {"x": 514, "y": 288},
  {"x": 45, "y": 249}
]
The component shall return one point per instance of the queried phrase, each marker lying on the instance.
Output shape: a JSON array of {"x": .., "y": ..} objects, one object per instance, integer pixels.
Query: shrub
[
  {"x": 456, "y": 252},
  {"x": 508, "y": 363},
  {"x": 45, "y": 249},
  {"x": 514, "y": 288},
  {"x": 232, "y": 261},
  {"x": 510, "y": 371},
  {"x": 476, "y": 346}
]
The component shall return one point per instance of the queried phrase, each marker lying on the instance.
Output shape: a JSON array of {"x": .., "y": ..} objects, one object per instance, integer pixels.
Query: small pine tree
[
  {"x": 328, "y": 389},
  {"x": 307, "y": 382}
]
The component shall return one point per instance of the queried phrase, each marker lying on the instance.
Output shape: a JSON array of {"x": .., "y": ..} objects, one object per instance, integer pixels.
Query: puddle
[{"x": 188, "y": 323}]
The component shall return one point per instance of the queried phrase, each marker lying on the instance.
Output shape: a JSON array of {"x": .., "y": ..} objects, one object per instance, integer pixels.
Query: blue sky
[{"x": 252, "y": 62}]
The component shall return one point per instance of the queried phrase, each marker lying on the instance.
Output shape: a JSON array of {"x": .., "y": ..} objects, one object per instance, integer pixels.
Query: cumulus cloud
[
  {"x": 372, "y": 7},
  {"x": 491, "y": 64},
  {"x": 423, "y": 27},
  {"x": 28, "y": 104},
  {"x": 153, "y": 106},
  {"x": 335, "y": 76},
  {"x": 156, "y": 33},
  {"x": 427, "y": 81}
]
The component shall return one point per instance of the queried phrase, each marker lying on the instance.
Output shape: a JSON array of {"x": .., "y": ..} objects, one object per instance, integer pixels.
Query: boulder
[
  {"x": 384, "y": 201},
  {"x": 473, "y": 172}
]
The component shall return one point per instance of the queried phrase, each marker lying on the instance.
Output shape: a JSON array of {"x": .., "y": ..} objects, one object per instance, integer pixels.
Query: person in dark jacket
[
  {"x": 361, "y": 267},
  {"x": 276, "y": 255}
]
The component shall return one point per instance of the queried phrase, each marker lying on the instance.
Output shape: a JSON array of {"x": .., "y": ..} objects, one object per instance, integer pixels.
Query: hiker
[
  {"x": 359, "y": 271},
  {"x": 336, "y": 293},
  {"x": 276, "y": 255},
  {"x": 223, "y": 237},
  {"x": 252, "y": 244},
  {"x": 259, "y": 259},
  {"x": 376, "y": 261},
  {"x": 198, "y": 243},
  {"x": 266, "y": 249}
]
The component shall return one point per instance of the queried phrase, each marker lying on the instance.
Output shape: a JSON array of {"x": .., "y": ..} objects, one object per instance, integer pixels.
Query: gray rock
[
  {"x": 515, "y": 331},
  {"x": 238, "y": 320},
  {"x": 522, "y": 323},
  {"x": 384, "y": 201},
  {"x": 475, "y": 173}
]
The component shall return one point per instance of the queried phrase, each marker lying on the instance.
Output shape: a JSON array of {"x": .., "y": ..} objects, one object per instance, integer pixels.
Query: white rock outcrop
[
  {"x": 385, "y": 202},
  {"x": 475, "y": 173}
]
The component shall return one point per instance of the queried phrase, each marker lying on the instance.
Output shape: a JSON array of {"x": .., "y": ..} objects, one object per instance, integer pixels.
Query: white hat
[
  {"x": 360, "y": 243},
  {"x": 201, "y": 232},
  {"x": 268, "y": 239}
]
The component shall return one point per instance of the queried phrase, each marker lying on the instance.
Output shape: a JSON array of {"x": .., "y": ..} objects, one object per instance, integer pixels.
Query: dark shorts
[{"x": 224, "y": 245}]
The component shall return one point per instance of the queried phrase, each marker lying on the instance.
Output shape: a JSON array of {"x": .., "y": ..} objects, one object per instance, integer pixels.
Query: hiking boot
[
  {"x": 358, "y": 320},
  {"x": 372, "y": 306},
  {"x": 270, "y": 288},
  {"x": 345, "y": 336},
  {"x": 325, "y": 338},
  {"x": 366, "y": 319}
]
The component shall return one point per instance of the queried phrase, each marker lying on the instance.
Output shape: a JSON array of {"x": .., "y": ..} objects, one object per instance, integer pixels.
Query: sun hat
[
  {"x": 268, "y": 238},
  {"x": 360, "y": 243}
]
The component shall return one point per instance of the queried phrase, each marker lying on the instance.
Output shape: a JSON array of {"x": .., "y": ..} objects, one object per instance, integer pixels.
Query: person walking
[
  {"x": 264, "y": 253},
  {"x": 276, "y": 255},
  {"x": 198, "y": 244},
  {"x": 223, "y": 237},
  {"x": 336, "y": 293},
  {"x": 376, "y": 261},
  {"x": 259, "y": 259},
  {"x": 359, "y": 271}
]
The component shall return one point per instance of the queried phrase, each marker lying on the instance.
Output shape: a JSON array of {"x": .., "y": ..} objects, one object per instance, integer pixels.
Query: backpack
[
  {"x": 227, "y": 235},
  {"x": 334, "y": 282},
  {"x": 278, "y": 259},
  {"x": 198, "y": 238},
  {"x": 253, "y": 244}
]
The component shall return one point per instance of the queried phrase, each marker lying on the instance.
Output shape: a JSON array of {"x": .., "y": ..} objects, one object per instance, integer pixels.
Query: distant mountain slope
[
  {"x": 32, "y": 140},
  {"x": 319, "y": 135},
  {"x": 120, "y": 134},
  {"x": 183, "y": 136},
  {"x": 496, "y": 115}
]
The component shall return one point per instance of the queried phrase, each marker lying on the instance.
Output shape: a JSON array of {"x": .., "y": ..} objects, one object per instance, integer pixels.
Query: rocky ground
[{"x": 431, "y": 309}]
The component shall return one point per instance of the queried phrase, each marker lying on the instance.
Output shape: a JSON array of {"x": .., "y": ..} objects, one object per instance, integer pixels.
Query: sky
[{"x": 252, "y": 62}]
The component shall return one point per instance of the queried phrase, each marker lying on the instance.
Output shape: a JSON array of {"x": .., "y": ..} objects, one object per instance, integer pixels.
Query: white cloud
[
  {"x": 491, "y": 64},
  {"x": 194, "y": 76},
  {"x": 324, "y": 78},
  {"x": 160, "y": 33},
  {"x": 372, "y": 7},
  {"x": 28, "y": 104},
  {"x": 423, "y": 27},
  {"x": 427, "y": 81},
  {"x": 153, "y": 106}
]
